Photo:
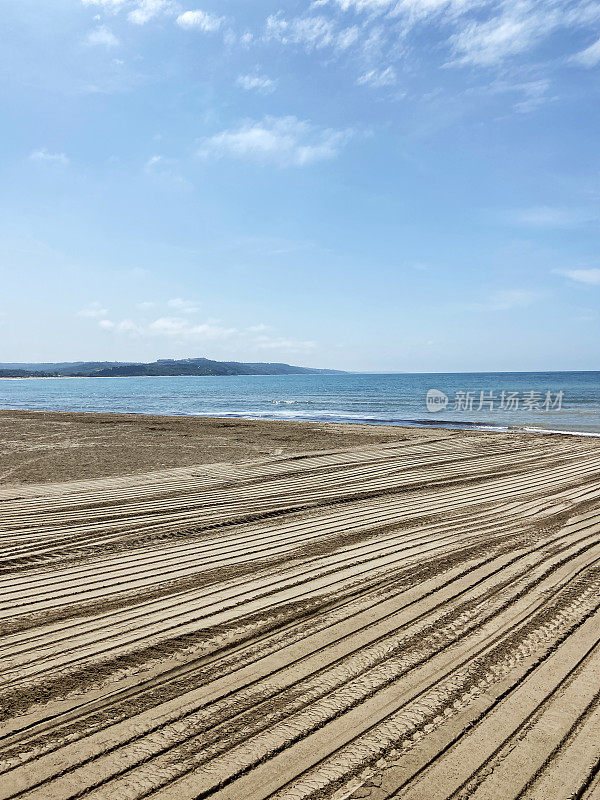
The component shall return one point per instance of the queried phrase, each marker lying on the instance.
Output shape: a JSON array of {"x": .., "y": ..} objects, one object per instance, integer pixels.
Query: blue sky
[{"x": 362, "y": 184}]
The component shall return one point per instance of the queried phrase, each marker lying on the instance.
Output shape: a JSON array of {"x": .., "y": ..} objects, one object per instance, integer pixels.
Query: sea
[{"x": 532, "y": 401}]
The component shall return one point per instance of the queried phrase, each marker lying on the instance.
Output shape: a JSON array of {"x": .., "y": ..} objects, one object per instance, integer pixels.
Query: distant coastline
[
  {"x": 42, "y": 377},
  {"x": 172, "y": 368}
]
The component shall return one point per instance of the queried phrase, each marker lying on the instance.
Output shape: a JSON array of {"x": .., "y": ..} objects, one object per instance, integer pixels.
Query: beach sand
[
  {"x": 240, "y": 610},
  {"x": 40, "y": 446}
]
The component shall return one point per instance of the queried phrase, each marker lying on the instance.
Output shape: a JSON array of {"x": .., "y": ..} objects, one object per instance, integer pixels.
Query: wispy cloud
[
  {"x": 183, "y": 306},
  {"x": 552, "y": 217},
  {"x": 487, "y": 43},
  {"x": 124, "y": 326},
  {"x": 179, "y": 329},
  {"x": 516, "y": 26},
  {"x": 259, "y": 328},
  {"x": 93, "y": 310},
  {"x": 101, "y": 36},
  {"x": 529, "y": 95},
  {"x": 153, "y": 162},
  {"x": 311, "y": 32},
  {"x": 498, "y": 301},
  {"x": 50, "y": 158},
  {"x": 474, "y": 32},
  {"x": 259, "y": 83},
  {"x": 370, "y": 6},
  {"x": 283, "y": 141},
  {"x": 200, "y": 20},
  {"x": 280, "y": 343},
  {"x": 508, "y": 299},
  {"x": 587, "y": 276},
  {"x": 589, "y": 57},
  {"x": 378, "y": 78},
  {"x": 148, "y": 9},
  {"x": 139, "y": 272},
  {"x": 109, "y": 4},
  {"x": 166, "y": 169},
  {"x": 139, "y": 11}
]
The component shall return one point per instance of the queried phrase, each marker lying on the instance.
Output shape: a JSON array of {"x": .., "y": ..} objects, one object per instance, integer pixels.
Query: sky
[{"x": 373, "y": 185}]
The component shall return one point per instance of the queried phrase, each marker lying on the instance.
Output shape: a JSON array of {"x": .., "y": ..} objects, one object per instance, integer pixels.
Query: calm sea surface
[{"x": 531, "y": 400}]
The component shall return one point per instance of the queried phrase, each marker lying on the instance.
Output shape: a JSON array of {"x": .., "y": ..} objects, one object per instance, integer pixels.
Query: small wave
[
  {"x": 563, "y": 432},
  {"x": 293, "y": 402}
]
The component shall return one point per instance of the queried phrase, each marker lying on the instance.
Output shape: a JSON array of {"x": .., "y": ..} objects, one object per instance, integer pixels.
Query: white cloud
[
  {"x": 503, "y": 300},
  {"x": 346, "y": 37},
  {"x": 519, "y": 26},
  {"x": 589, "y": 57},
  {"x": 378, "y": 78},
  {"x": 114, "y": 4},
  {"x": 183, "y": 306},
  {"x": 259, "y": 83},
  {"x": 102, "y": 36},
  {"x": 531, "y": 94},
  {"x": 177, "y": 327},
  {"x": 409, "y": 11},
  {"x": 50, "y": 158},
  {"x": 425, "y": 8},
  {"x": 200, "y": 20},
  {"x": 552, "y": 217},
  {"x": 310, "y": 32},
  {"x": 181, "y": 329},
  {"x": 258, "y": 328},
  {"x": 486, "y": 43},
  {"x": 128, "y": 325},
  {"x": 124, "y": 326},
  {"x": 268, "y": 343},
  {"x": 148, "y": 9},
  {"x": 93, "y": 310},
  {"x": 165, "y": 169},
  {"x": 588, "y": 276},
  {"x": 283, "y": 141},
  {"x": 535, "y": 95},
  {"x": 370, "y": 6},
  {"x": 152, "y": 162},
  {"x": 511, "y": 298}
]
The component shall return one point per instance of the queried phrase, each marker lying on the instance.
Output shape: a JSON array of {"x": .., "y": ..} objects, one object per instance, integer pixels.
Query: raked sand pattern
[{"x": 415, "y": 620}]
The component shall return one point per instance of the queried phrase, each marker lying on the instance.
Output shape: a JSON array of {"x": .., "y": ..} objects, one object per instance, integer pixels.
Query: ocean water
[{"x": 541, "y": 401}]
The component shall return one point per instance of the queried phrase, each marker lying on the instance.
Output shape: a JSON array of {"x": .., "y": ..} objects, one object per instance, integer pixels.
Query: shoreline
[
  {"x": 43, "y": 447},
  {"x": 410, "y": 424}
]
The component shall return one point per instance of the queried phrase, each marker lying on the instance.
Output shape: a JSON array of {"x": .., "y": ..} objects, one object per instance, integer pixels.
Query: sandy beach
[{"x": 242, "y": 610}]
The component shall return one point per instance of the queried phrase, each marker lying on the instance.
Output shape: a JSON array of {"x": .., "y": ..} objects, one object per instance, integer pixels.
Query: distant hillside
[{"x": 164, "y": 366}]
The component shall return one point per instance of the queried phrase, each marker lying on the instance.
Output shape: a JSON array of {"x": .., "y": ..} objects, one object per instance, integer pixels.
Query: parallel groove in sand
[{"x": 255, "y": 699}]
